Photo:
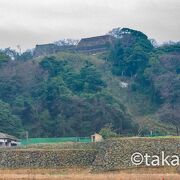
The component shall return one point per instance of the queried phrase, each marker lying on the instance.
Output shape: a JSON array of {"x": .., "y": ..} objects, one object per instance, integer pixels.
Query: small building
[
  {"x": 8, "y": 140},
  {"x": 96, "y": 138}
]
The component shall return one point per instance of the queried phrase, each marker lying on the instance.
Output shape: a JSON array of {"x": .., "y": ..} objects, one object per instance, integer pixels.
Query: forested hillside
[{"x": 74, "y": 94}]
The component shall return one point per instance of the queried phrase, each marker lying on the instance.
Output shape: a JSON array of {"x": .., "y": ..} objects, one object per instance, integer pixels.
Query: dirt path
[
  {"x": 79, "y": 174},
  {"x": 90, "y": 177}
]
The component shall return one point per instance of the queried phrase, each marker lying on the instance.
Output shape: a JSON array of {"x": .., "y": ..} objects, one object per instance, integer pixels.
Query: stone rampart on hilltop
[
  {"x": 86, "y": 45},
  {"x": 95, "y": 44},
  {"x": 47, "y": 49}
]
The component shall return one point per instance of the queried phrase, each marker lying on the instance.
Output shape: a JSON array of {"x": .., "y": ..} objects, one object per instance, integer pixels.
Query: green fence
[{"x": 54, "y": 140}]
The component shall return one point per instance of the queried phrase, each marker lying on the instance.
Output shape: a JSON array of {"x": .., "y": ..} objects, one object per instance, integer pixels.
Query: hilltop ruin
[
  {"x": 95, "y": 44},
  {"x": 86, "y": 45}
]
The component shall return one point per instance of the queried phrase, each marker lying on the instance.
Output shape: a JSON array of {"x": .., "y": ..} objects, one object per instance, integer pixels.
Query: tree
[
  {"x": 52, "y": 65},
  {"x": 27, "y": 55},
  {"x": 130, "y": 52},
  {"x": 3, "y": 58},
  {"x": 91, "y": 79},
  {"x": 169, "y": 113},
  {"x": 107, "y": 131},
  {"x": 11, "y": 53},
  {"x": 9, "y": 123}
]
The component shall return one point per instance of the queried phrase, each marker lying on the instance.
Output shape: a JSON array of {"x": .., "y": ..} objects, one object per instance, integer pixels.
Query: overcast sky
[{"x": 31, "y": 22}]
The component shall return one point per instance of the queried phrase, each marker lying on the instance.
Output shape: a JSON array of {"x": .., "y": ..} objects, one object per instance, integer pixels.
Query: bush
[{"x": 107, "y": 132}]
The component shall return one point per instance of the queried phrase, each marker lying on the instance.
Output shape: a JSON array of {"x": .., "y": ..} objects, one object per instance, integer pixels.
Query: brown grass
[{"x": 80, "y": 174}]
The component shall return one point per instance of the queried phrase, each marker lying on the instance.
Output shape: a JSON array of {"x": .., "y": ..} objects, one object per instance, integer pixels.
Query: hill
[{"x": 130, "y": 86}]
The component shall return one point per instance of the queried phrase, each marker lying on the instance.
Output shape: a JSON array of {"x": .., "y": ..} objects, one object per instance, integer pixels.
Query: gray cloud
[{"x": 41, "y": 21}]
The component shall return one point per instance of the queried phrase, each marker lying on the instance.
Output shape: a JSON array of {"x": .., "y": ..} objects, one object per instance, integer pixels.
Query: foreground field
[{"x": 80, "y": 174}]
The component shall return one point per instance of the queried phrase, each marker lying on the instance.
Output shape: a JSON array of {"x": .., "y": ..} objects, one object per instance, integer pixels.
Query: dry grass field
[{"x": 82, "y": 174}]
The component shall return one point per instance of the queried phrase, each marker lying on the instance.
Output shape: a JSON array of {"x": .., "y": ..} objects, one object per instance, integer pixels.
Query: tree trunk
[{"x": 177, "y": 130}]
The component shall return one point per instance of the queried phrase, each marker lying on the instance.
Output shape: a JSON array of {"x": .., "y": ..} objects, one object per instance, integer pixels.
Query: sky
[{"x": 30, "y": 22}]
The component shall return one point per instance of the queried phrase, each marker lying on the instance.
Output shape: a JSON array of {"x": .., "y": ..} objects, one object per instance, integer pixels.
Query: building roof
[
  {"x": 95, "y": 134},
  {"x": 6, "y": 136}
]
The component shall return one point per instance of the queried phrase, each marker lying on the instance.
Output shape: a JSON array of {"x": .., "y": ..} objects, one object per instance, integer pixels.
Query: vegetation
[
  {"x": 154, "y": 71},
  {"x": 107, "y": 132},
  {"x": 71, "y": 94},
  {"x": 51, "y": 98},
  {"x": 8, "y": 121},
  {"x": 130, "y": 53},
  {"x": 3, "y": 58}
]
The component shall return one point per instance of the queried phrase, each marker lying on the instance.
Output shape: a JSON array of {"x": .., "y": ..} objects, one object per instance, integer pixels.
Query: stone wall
[
  {"x": 47, "y": 49},
  {"x": 95, "y": 44},
  {"x": 15, "y": 158},
  {"x": 116, "y": 154},
  {"x": 86, "y": 45}
]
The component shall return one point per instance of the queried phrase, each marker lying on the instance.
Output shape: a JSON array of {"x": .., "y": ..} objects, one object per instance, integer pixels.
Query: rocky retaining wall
[
  {"x": 46, "y": 158},
  {"x": 116, "y": 154}
]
